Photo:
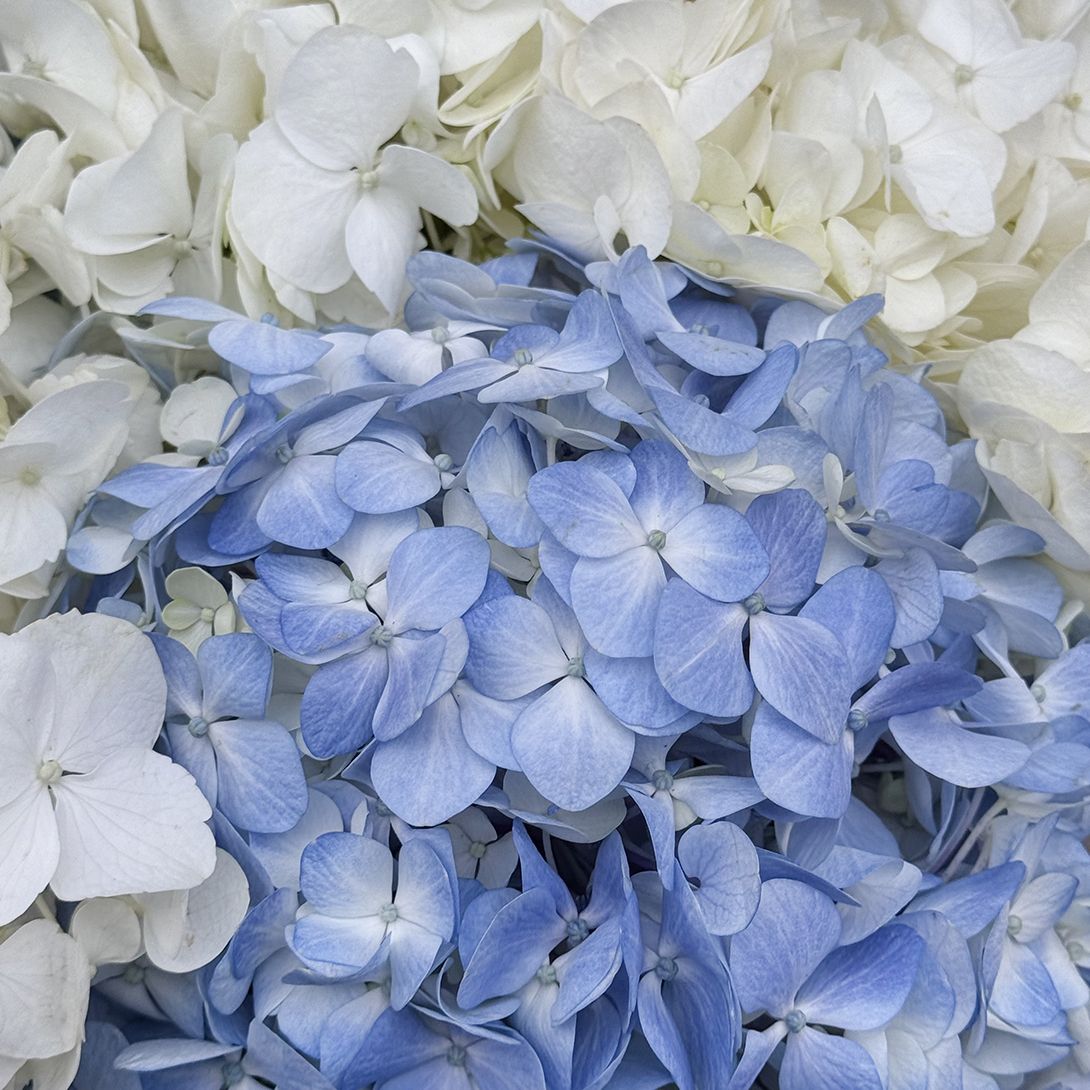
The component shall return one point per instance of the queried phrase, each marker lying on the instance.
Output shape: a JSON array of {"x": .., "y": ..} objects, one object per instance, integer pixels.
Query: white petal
[
  {"x": 431, "y": 182},
  {"x": 29, "y": 850},
  {"x": 290, "y": 213},
  {"x": 383, "y": 233},
  {"x": 136, "y": 824},
  {"x": 185, "y": 929},
  {"x": 194, "y": 413},
  {"x": 110, "y": 694},
  {"x": 44, "y": 984},
  {"x": 108, "y": 930},
  {"x": 345, "y": 94}
]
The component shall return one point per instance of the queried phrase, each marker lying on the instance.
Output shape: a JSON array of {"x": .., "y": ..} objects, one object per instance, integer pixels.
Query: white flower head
[
  {"x": 86, "y": 806},
  {"x": 316, "y": 197},
  {"x": 45, "y": 980}
]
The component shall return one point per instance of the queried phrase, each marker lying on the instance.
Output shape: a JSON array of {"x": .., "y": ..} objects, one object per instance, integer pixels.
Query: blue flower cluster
[{"x": 625, "y": 683}]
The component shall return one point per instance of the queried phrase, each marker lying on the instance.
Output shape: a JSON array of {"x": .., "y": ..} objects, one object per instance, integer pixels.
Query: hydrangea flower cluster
[
  {"x": 610, "y": 680},
  {"x": 289, "y": 158}
]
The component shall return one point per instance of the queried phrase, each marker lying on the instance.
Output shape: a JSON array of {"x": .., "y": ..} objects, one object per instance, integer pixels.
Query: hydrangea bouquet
[
  {"x": 611, "y": 679},
  {"x": 544, "y": 545}
]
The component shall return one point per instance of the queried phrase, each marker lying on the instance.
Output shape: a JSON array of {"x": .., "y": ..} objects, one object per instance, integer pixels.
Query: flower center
[
  {"x": 198, "y": 726},
  {"x": 208, "y": 614},
  {"x": 443, "y": 462},
  {"x": 1014, "y": 925},
  {"x": 675, "y": 80},
  {"x": 546, "y": 975},
  {"x": 666, "y": 969},
  {"x": 963, "y": 74},
  {"x": 1038, "y": 692},
  {"x": 795, "y": 1020},
  {"x": 896, "y": 154},
  {"x": 857, "y": 719},
  {"x": 456, "y": 1056},
  {"x": 661, "y": 780},
  {"x": 440, "y": 334},
  {"x": 577, "y": 931},
  {"x": 232, "y": 1073},
  {"x": 714, "y": 268},
  {"x": 30, "y": 476},
  {"x": 575, "y": 667},
  {"x": 477, "y": 849},
  {"x": 754, "y": 604},
  {"x": 357, "y": 590},
  {"x": 49, "y": 773},
  {"x": 368, "y": 179},
  {"x": 134, "y": 974},
  {"x": 523, "y": 357},
  {"x": 388, "y": 913},
  {"x": 217, "y": 456},
  {"x": 381, "y": 636},
  {"x": 656, "y": 540},
  {"x": 284, "y": 454},
  {"x": 1073, "y": 101}
]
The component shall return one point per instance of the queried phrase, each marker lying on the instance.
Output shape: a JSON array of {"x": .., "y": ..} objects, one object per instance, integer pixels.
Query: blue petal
[
  {"x": 411, "y": 669},
  {"x": 513, "y": 648},
  {"x": 759, "y": 395},
  {"x": 698, "y": 652},
  {"x": 261, "y": 786},
  {"x": 435, "y": 575},
  {"x": 313, "y": 629},
  {"x": 237, "y": 674},
  {"x": 301, "y": 507},
  {"x": 792, "y": 931},
  {"x": 918, "y": 686},
  {"x": 666, "y": 489},
  {"x": 379, "y": 479},
  {"x": 471, "y": 375},
  {"x": 712, "y": 355},
  {"x": 264, "y": 349},
  {"x": 615, "y": 599},
  {"x": 939, "y": 744},
  {"x": 588, "y": 341},
  {"x": 715, "y": 551},
  {"x": 815, "y": 1059},
  {"x": 856, "y": 606},
  {"x": 917, "y": 594},
  {"x": 631, "y": 689},
  {"x": 302, "y": 578},
  {"x": 585, "y": 510},
  {"x": 182, "y": 676},
  {"x": 799, "y": 667},
  {"x": 570, "y": 747},
  {"x": 346, "y": 875},
  {"x": 339, "y": 703},
  {"x": 429, "y": 773},
  {"x": 512, "y": 948},
  {"x": 862, "y": 986},
  {"x": 721, "y": 863},
  {"x": 797, "y": 770},
  {"x": 791, "y": 526}
]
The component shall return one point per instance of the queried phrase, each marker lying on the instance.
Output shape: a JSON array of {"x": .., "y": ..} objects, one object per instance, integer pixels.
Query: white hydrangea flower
[
  {"x": 178, "y": 930},
  {"x": 45, "y": 478},
  {"x": 198, "y": 607},
  {"x": 314, "y": 196},
  {"x": 1027, "y": 401},
  {"x": 137, "y": 220},
  {"x": 45, "y": 980},
  {"x": 86, "y": 806}
]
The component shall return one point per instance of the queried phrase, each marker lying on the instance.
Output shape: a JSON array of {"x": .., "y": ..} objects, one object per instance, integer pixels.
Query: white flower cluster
[
  {"x": 290, "y": 158},
  {"x": 90, "y": 813}
]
